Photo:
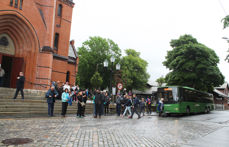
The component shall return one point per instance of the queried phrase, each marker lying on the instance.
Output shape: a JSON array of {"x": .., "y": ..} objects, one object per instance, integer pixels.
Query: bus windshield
[{"x": 170, "y": 95}]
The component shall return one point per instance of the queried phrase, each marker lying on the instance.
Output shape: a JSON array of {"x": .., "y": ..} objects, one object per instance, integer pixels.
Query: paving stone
[{"x": 111, "y": 130}]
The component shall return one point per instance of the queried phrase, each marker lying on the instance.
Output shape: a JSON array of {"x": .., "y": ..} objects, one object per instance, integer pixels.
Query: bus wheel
[{"x": 188, "y": 111}]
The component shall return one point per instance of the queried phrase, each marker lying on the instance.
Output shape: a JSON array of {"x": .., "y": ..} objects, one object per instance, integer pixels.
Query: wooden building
[{"x": 221, "y": 96}]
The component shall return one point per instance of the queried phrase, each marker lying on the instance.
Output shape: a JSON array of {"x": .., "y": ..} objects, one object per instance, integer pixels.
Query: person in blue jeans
[
  {"x": 160, "y": 106},
  {"x": 51, "y": 96}
]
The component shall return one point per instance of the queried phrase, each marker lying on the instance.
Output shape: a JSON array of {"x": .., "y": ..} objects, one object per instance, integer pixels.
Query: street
[{"x": 203, "y": 130}]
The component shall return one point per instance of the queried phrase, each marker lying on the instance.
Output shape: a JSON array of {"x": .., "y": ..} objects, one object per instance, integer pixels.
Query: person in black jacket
[
  {"x": 85, "y": 101},
  {"x": 98, "y": 104},
  {"x": 135, "y": 106},
  {"x": 80, "y": 104},
  {"x": 107, "y": 103},
  {"x": 51, "y": 95},
  {"x": 127, "y": 105},
  {"x": 118, "y": 105},
  {"x": 20, "y": 85}
]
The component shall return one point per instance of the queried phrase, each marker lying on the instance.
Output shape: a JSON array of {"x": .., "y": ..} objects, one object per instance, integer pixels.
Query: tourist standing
[
  {"x": 65, "y": 98},
  {"x": 98, "y": 104},
  {"x": 135, "y": 106},
  {"x": 142, "y": 106},
  {"x": 148, "y": 104},
  {"x": 107, "y": 103},
  {"x": 128, "y": 105},
  {"x": 2, "y": 73},
  {"x": 67, "y": 86},
  {"x": 51, "y": 95},
  {"x": 160, "y": 106},
  {"x": 118, "y": 105},
  {"x": 74, "y": 95},
  {"x": 84, "y": 101},
  {"x": 80, "y": 104},
  {"x": 20, "y": 85}
]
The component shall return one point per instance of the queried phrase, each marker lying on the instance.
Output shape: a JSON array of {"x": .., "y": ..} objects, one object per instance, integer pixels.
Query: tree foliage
[
  {"x": 134, "y": 70},
  {"x": 225, "y": 21},
  {"x": 96, "y": 80},
  {"x": 92, "y": 54},
  {"x": 160, "y": 81},
  {"x": 192, "y": 64}
]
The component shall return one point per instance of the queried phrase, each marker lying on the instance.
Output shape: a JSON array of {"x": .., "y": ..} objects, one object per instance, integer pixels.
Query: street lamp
[{"x": 105, "y": 63}]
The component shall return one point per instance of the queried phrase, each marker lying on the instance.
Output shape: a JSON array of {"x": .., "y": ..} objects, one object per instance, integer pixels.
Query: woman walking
[
  {"x": 65, "y": 97},
  {"x": 128, "y": 105}
]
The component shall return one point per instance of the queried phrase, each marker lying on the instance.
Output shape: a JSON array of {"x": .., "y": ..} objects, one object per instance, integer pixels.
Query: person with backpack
[
  {"x": 135, "y": 106},
  {"x": 148, "y": 104}
]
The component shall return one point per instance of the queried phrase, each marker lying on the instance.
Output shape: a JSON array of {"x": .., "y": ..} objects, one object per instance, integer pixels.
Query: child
[{"x": 142, "y": 106}]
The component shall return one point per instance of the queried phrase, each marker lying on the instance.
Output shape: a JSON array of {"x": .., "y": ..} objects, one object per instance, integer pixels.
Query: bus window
[{"x": 170, "y": 95}]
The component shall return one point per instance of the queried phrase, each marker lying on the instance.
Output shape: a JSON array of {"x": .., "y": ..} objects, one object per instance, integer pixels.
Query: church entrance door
[{"x": 12, "y": 67}]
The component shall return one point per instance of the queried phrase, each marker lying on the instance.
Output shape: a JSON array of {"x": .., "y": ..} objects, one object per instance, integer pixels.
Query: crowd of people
[
  {"x": 132, "y": 104},
  {"x": 69, "y": 95},
  {"x": 127, "y": 104}
]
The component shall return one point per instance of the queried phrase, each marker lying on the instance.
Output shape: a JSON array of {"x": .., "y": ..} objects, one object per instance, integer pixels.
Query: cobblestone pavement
[{"x": 113, "y": 131}]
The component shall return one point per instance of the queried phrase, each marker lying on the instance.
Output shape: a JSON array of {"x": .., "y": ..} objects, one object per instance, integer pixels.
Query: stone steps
[
  {"x": 19, "y": 97},
  {"x": 34, "y": 104},
  {"x": 11, "y": 91}
]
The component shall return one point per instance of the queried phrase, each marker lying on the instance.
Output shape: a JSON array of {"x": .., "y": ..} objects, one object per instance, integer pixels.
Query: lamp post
[{"x": 111, "y": 70}]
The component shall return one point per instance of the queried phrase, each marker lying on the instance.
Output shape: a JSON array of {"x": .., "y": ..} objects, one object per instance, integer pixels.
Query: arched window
[
  {"x": 21, "y": 3},
  {"x": 16, "y": 4},
  {"x": 67, "y": 76},
  {"x": 60, "y": 7},
  {"x": 56, "y": 40}
]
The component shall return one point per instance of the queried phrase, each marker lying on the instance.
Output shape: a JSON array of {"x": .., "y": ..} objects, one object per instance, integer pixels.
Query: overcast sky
[{"x": 149, "y": 25}]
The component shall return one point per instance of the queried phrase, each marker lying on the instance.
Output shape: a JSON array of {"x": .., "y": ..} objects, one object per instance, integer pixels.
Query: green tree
[
  {"x": 192, "y": 64},
  {"x": 225, "y": 21},
  {"x": 92, "y": 54},
  {"x": 96, "y": 80},
  {"x": 134, "y": 70},
  {"x": 77, "y": 80},
  {"x": 160, "y": 81}
]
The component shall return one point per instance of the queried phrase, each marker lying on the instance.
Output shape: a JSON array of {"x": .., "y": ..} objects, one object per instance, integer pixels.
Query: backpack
[{"x": 148, "y": 101}]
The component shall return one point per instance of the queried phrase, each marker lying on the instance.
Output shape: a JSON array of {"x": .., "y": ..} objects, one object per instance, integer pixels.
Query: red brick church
[{"x": 34, "y": 38}]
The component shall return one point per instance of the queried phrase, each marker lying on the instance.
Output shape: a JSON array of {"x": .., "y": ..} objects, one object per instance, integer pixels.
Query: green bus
[{"x": 185, "y": 100}]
